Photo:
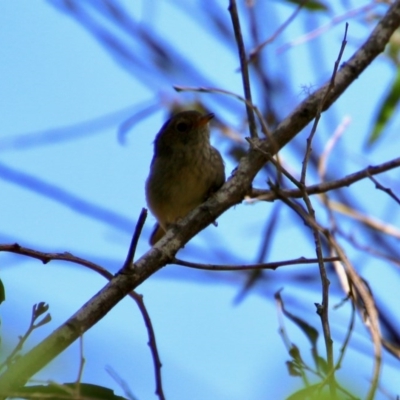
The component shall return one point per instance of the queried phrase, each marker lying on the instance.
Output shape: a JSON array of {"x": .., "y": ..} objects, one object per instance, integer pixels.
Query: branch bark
[{"x": 232, "y": 192}]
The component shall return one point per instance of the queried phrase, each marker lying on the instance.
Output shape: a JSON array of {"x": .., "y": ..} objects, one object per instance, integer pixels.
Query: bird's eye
[{"x": 182, "y": 127}]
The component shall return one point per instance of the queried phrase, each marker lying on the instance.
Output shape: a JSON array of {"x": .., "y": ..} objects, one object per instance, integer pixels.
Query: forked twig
[
  {"x": 384, "y": 189},
  {"x": 268, "y": 195}
]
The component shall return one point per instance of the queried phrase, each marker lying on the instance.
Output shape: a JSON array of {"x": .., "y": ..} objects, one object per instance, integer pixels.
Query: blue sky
[{"x": 54, "y": 76}]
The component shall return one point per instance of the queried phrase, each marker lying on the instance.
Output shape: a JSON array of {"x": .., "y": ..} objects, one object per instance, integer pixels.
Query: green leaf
[
  {"x": 2, "y": 292},
  {"x": 305, "y": 393},
  {"x": 315, "y": 392},
  {"x": 309, "y": 330},
  {"x": 386, "y": 110},
  {"x": 312, "y": 5},
  {"x": 68, "y": 390}
]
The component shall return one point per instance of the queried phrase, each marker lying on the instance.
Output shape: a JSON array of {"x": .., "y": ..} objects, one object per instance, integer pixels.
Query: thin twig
[
  {"x": 299, "y": 364},
  {"x": 121, "y": 383},
  {"x": 135, "y": 239},
  {"x": 265, "y": 245},
  {"x": 243, "y": 66},
  {"x": 337, "y": 134},
  {"x": 343, "y": 347},
  {"x": 371, "y": 222},
  {"x": 250, "y": 267},
  {"x": 254, "y": 53},
  {"x": 323, "y": 310},
  {"x": 268, "y": 195},
  {"x": 82, "y": 361},
  {"x": 373, "y": 318},
  {"x": 348, "y": 336},
  {"x": 248, "y": 103},
  {"x": 334, "y": 21},
  {"x": 322, "y": 165},
  {"x": 370, "y": 250},
  {"x": 384, "y": 189},
  {"x": 321, "y": 106},
  {"x": 152, "y": 344},
  {"x": 47, "y": 257},
  {"x": 37, "y": 310}
]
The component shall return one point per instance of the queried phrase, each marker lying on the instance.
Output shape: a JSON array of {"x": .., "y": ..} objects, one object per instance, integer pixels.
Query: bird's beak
[{"x": 204, "y": 119}]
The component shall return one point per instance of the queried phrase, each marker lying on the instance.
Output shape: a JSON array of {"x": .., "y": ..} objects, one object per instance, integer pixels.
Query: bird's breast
[{"x": 179, "y": 183}]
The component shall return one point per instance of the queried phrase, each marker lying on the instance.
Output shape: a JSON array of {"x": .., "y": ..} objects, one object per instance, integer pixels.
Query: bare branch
[
  {"x": 254, "y": 53},
  {"x": 372, "y": 321},
  {"x": 261, "y": 119},
  {"x": 135, "y": 239},
  {"x": 384, "y": 189},
  {"x": 321, "y": 107},
  {"x": 250, "y": 267},
  {"x": 334, "y": 21},
  {"x": 337, "y": 134},
  {"x": 243, "y": 65},
  {"x": 268, "y": 195}
]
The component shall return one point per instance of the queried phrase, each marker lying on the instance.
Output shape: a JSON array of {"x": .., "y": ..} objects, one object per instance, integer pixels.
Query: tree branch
[
  {"x": 243, "y": 66},
  {"x": 270, "y": 195},
  {"x": 252, "y": 267}
]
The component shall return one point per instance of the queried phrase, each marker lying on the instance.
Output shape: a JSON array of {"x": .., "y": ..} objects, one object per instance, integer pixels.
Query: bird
[{"x": 185, "y": 169}]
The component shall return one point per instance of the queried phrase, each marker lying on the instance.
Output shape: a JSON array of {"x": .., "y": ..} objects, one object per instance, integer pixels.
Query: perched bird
[{"x": 185, "y": 169}]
